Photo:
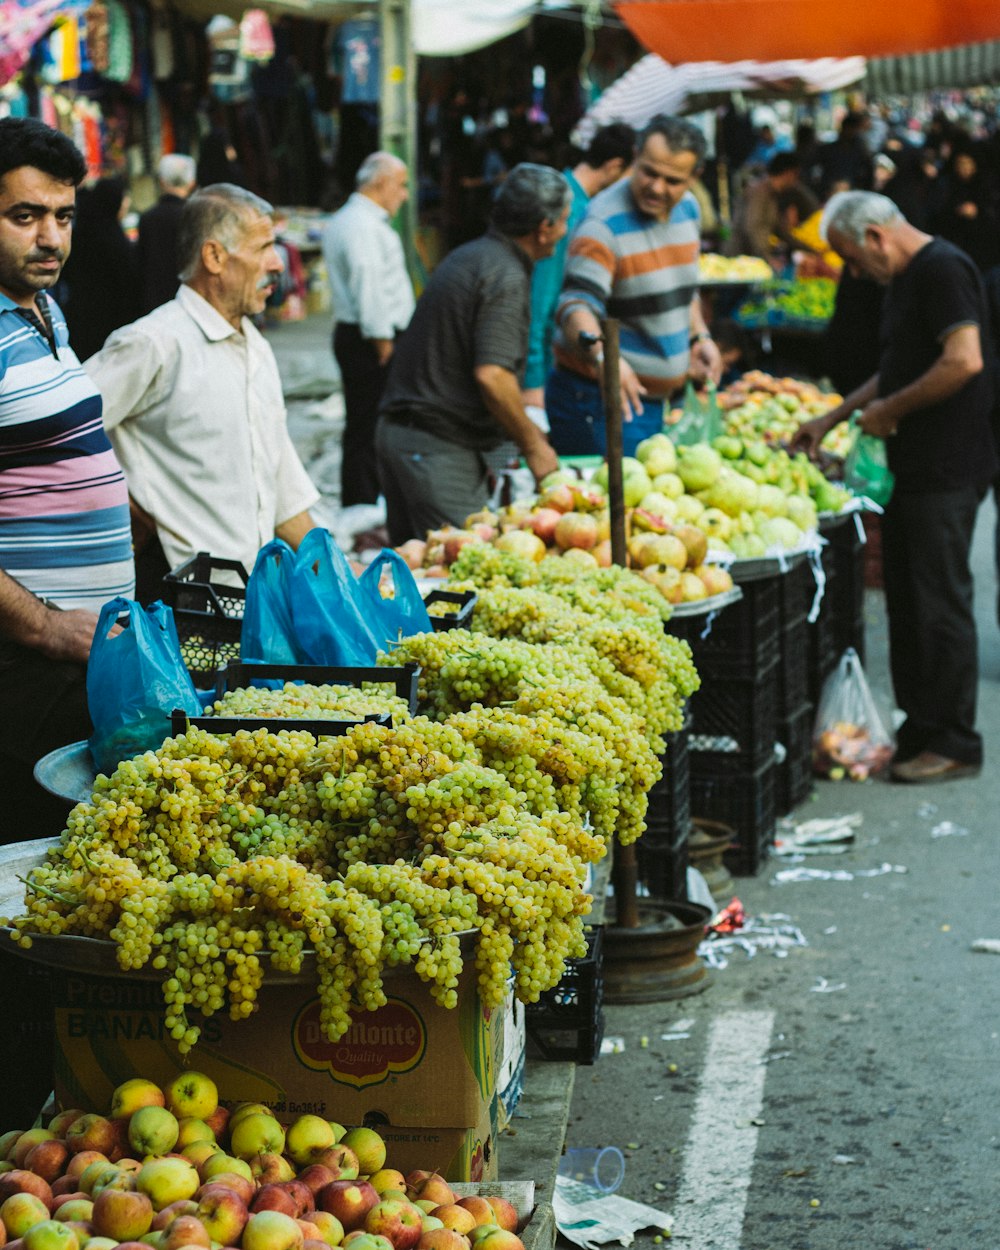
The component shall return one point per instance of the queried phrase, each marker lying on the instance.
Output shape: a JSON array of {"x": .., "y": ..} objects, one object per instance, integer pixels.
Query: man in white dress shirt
[
  {"x": 193, "y": 401},
  {"x": 372, "y": 303}
]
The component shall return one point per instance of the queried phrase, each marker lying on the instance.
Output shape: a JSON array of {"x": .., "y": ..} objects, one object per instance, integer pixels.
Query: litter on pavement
[{"x": 787, "y": 875}]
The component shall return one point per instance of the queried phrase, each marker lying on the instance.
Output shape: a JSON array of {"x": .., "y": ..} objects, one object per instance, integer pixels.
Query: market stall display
[
  {"x": 759, "y": 405},
  {"x": 803, "y": 304},
  {"x": 716, "y": 270}
]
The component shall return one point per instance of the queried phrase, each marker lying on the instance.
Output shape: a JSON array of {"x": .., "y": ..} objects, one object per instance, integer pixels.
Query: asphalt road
[{"x": 844, "y": 1095}]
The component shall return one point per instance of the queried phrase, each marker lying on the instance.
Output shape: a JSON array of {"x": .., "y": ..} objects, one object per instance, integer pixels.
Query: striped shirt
[
  {"x": 64, "y": 517},
  {"x": 642, "y": 272}
]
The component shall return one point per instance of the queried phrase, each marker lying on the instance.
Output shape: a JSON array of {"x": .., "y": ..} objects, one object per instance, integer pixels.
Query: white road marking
[{"x": 718, "y": 1158}]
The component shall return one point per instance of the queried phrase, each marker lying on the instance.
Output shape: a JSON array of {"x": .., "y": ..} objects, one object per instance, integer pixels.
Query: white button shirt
[
  {"x": 195, "y": 412},
  {"x": 369, "y": 285}
]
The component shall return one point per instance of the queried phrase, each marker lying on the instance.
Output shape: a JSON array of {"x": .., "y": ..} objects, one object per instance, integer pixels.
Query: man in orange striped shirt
[{"x": 635, "y": 258}]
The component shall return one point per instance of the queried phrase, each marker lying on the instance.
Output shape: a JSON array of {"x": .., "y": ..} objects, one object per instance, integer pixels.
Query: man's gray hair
[
  {"x": 529, "y": 195},
  {"x": 375, "y": 167},
  {"x": 850, "y": 213},
  {"x": 176, "y": 171},
  {"x": 678, "y": 133},
  {"x": 222, "y": 212}
]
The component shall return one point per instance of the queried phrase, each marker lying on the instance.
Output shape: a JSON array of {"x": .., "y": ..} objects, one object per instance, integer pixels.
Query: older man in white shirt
[
  {"x": 193, "y": 401},
  {"x": 372, "y": 302}
]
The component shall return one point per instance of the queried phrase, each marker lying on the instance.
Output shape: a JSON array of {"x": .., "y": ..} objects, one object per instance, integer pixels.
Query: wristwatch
[{"x": 701, "y": 337}]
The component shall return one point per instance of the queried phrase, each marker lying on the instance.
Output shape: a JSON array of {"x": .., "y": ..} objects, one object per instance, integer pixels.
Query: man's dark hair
[
  {"x": 26, "y": 141},
  {"x": 679, "y": 135},
  {"x": 614, "y": 142},
  {"x": 783, "y": 163},
  {"x": 529, "y": 195}
]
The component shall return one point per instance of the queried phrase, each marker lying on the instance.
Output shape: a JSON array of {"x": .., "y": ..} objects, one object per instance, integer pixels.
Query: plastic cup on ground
[{"x": 601, "y": 1167}]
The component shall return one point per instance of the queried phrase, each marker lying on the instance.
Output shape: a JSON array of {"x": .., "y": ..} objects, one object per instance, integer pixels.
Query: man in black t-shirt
[
  {"x": 931, "y": 400},
  {"x": 454, "y": 388}
]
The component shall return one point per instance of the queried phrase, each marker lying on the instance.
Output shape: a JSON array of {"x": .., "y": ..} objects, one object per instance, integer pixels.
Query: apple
[
  {"x": 314, "y": 1243},
  {"x": 387, "y": 1178},
  {"x": 59, "y": 1123},
  {"x": 190, "y": 1131},
  {"x": 270, "y": 1169},
  {"x": 183, "y": 1206},
  {"x": 8, "y": 1141},
  {"x": 330, "y": 1228},
  {"x": 341, "y": 1160},
  {"x": 123, "y": 1215},
  {"x": 218, "y": 1121},
  {"x": 316, "y": 1176},
  {"x": 577, "y": 529},
  {"x": 479, "y": 1207},
  {"x": 307, "y": 1137},
  {"x": 112, "y": 1178},
  {"x": 48, "y": 1159},
  {"x": 21, "y": 1181},
  {"x": 153, "y": 1130},
  {"x": 504, "y": 1212},
  {"x": 167, "y": 1180},
  {"x": 369, "y": 1148},
  {"x": 493, "y": 1237},
  {"x": 358, "y": 1239},
  {"x": 51, "y": 1235},
  {"x": 101, "y": 1243},
  {"x": 272, "y": 1230},
  {"x": 217, "y": 1164},
  {"x": 338, "y": 1130},
  {"x": 138, "y": 1092},
  {"x": 441, "y": 1238},
  {"x": 248, "y": 1108},
  {"x": 191, "y": 1095},
  {"x": 64, "y": 1184},
  {"x": 426, "y": 1206},
  {"x": 76, "y": 1207},
  {"x": 20, "y": 1211},
  {"x": 309, "y": 1229},
  {"x": 275, "y": 1198},
  {"x": 349, "y": 1200},
  {"x": 230, "y": 1180},
  {"x": 79, "y": 1162},
  {"x": 256, "y": 1134},
  {"x": 92, "y": 1132},
  {"x": 223, "y": 1212},
  {"x": 83, "y": 1228},
  {"x": 27, "y": 1142},
  {"x": 199, "y": 1151},
  {"x": 428, "y": 1222},
  {"x": 430, "y": 1185},
  {"x": 453, "y": 1216},
  {"x": 185, "y": 1230},
  {"x": 399, "y": 1220}
]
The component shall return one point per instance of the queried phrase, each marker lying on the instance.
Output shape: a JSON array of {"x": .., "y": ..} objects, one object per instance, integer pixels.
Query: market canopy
[
  {"x": 765, "y": 30},
  {"x": 975, "y": 65},
  {"x": 652, "y": 86}
]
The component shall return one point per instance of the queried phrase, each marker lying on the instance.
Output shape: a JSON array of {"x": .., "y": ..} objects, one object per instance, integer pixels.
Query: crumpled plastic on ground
[
  {"x": 787, "y": 875},
  {"x": 817, "y": 837},
  {"x": 773, "y": 932}
]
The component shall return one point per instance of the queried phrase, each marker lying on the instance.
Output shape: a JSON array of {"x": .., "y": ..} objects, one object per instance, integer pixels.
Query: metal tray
[
  {"x": 68, "y": 772},
  {"x": 705, "y": 607}
]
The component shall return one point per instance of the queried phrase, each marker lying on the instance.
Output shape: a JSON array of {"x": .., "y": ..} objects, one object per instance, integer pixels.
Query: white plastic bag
[{"x": 849, "y": 736}]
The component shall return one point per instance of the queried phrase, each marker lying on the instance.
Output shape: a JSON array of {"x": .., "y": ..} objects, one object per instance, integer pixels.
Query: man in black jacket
[{"x": 157, "y": 248}]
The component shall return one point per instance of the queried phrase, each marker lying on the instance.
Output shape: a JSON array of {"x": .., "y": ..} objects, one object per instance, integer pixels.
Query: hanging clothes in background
[{"x": 256, "y": 37}]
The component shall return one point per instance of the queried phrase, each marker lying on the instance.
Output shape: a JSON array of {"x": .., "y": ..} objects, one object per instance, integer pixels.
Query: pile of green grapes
[{"x": 305, "y": 701}]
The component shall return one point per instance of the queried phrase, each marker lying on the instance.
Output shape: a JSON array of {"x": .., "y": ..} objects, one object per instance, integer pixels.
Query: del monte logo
[{"x": 378, "y": 1044}]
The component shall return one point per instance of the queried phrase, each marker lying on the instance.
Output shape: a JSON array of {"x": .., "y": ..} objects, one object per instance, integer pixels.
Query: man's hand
[
  {"x": 706, "y": 361},
  {"x": 534, "y": 397},
  {"x": 879, "y": 419},
  {"x": 70, "y": 635},
  {"x": 809, "y": 436},
  {"x": 631, "y": 388},
  {"x": 383, "y": 350},
  {"x": 541, "y": 460}
]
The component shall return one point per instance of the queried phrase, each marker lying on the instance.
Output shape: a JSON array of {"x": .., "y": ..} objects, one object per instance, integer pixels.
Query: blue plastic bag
[
  {"x": 327, "y": 613},
  {"x": 400, "y": 616},
  {"x": 268, "y": 631},
  {"x": 134, "y": 681}
]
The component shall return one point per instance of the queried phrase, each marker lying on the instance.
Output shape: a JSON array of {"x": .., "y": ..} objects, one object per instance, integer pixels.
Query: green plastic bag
[
  {"x": 701, "y": 418},
  {"x": 866, "y": 468}
]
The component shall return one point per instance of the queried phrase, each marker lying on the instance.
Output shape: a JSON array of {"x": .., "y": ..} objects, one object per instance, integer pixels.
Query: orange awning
[{"x": 768, "y": 30}]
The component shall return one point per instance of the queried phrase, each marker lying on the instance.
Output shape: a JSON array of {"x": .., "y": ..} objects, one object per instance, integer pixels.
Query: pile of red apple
[{"x": 171, "y": 1169}]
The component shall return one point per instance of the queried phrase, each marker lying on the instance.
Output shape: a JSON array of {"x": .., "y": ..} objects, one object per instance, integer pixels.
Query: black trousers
[
  {"x": 364, "y": 382},
  {"x": 932, "y": 630}
]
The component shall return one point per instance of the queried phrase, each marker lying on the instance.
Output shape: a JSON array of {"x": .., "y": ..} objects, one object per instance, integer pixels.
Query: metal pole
[
  {"x": 625, "y": 873},
  {"x": 398, "y": 111}
]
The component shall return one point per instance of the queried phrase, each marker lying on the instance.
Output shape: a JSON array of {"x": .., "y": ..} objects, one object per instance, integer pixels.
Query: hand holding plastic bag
[
  {"x": 403, "y": 614},
  {"x": 268, "y": 631},
  {"x": 327, "y": 609},
  {"x": 135, "y": 679},
  {"x": 849, "y": 738},
  {"x": 866, "y": 467}
]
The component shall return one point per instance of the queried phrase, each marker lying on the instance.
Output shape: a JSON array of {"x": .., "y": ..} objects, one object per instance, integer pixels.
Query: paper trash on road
[
  {"x": 816, "y": 837},
  {"x": 787, "y": 875},
  {"x": 987, "y": 946},
  {"x": 774, "y": 933},
  {"x": 589, "y": 1219}
]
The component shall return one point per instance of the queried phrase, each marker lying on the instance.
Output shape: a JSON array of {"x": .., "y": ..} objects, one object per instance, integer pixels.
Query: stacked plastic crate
[
  {"x": 662, "y": 851},
  {"x": 795, "y": 706}
]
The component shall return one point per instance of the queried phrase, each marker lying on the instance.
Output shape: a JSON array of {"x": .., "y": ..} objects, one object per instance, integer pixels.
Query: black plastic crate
[
  {"x": 668, "y": 815},
  {"x": 662, "y": 866},
  {"x": 733, "y": 719},
  {"x": 327, "y": 728},
  {"x": 404, "y": 678},
  {"x": 743, "y": 800},
  {"x": 208, "y": 613},
  {"x": 823, "y": 648},
  {"x": 793, "y": 668},
  {"x": 742, "y": 639},
  {"x": 796, "y": 591},
  {"x": 465, "y": 605},
  {"x": 567, "y": 1022},
  {"x": 793, "y": 772}
]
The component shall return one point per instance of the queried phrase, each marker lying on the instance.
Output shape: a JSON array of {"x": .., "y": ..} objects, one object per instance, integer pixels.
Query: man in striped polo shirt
[
  {"x": 65, "y": 538},
  {"x": 634, "y": 258}
]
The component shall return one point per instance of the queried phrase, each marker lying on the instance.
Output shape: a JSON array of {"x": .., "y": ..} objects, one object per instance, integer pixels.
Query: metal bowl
[{"x": 68, "y": 772}]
